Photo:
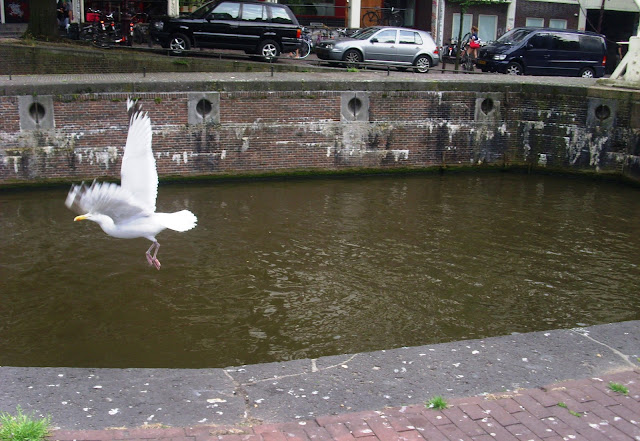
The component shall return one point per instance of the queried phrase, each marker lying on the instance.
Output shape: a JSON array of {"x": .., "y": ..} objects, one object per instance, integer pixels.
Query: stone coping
[{"x": 334, "y": 80}]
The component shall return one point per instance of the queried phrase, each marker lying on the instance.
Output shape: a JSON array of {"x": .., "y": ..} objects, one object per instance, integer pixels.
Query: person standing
[
  {"x": 474, "y": 43},
  {"x": 60, "y": 13}
]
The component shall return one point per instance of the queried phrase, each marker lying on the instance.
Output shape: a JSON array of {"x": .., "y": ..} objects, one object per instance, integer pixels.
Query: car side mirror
[{"x": 374, "y": 40}]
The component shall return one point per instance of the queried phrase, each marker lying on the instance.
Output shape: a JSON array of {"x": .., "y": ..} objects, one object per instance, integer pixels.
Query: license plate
[{"x": 482, "y": 62}]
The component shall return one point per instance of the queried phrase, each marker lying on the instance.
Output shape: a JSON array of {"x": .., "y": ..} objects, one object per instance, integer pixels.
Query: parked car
[
  {"x": 264, "y": 29},
  {"x": 401, "y": 47},
  {"x": 544, "y": 51}
]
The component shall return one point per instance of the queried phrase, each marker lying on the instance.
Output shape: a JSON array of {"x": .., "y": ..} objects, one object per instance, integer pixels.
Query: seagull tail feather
[{"x": 179, "y": 221}]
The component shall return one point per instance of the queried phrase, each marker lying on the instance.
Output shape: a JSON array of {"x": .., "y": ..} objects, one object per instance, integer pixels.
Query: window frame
[
  {"x": 482, "y": 35},
  {"x": 527, "y": 24},
  {"x": 564, "y": 22},
  {"x": 456, "y": 22}
]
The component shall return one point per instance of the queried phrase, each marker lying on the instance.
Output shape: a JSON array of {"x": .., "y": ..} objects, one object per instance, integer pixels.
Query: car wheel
[
  {"x": 352, "y": 56},
  {"x": 587, "y": 72},
  {"x": 423, "y": 64},
  {"x": 268, "y": 49},
  {"x": 514, "y": 68},
  {"x": 179, "y": 43}
]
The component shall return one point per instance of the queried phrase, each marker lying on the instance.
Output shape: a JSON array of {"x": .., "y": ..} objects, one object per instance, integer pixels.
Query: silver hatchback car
[{"x": 399, "y": 47}]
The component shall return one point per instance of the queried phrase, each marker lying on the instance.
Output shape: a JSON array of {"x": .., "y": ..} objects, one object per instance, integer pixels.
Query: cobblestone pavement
[{"x": 585, "y": 409}]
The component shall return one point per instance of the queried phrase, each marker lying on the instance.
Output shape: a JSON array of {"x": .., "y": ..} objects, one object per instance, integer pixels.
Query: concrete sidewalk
[{"x": 584, "y": 409}]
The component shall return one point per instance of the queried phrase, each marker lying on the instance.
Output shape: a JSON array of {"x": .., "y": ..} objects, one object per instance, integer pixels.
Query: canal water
[{"x": 279, "y": 270}]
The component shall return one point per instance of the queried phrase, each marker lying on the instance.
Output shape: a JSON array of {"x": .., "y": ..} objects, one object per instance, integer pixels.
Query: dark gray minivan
[{"x": 544, "y": 51}]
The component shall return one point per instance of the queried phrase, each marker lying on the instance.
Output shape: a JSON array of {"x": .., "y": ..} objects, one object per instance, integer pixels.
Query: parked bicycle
[
  {"x": 306, "y": 44},
  {"x": 109, "y": 33},
  {"x": 386, "y": 17}
]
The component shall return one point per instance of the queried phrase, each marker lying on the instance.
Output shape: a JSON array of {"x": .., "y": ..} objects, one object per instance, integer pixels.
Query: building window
[
  {"x": 487, "y": 27},
  {"x": 409, "y": 7},
  {"x": 466, "y": 25},
  {"x": 535, "y": 22},
  {"x": 311, "y": 7},
  {"x": 558, "y": 23}
]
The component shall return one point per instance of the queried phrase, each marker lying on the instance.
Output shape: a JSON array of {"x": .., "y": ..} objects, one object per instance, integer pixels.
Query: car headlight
[
  {"x": 499, "y": 57},
  {"x": 159, "y": 25}
]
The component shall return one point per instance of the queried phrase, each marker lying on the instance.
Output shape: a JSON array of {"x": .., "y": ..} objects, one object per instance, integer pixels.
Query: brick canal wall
[{"x": 292, "y": 127}]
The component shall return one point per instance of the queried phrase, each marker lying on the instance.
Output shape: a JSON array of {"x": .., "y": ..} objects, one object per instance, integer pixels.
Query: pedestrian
[
  {"x": 60, "y": 13},
  {"x": 474, "y": 43},
  {"x": 64, "y": 14}
]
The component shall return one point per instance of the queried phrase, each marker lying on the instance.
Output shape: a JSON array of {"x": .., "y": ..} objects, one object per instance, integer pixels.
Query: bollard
[
  {"x": 388, "y": 71},
  {"x": 272, "y": 70},
  {"x": 144, "y": 71}
]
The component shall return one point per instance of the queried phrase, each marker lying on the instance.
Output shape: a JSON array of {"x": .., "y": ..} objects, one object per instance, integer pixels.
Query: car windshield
[
  {"x": 365, "y": 33},
  {"x": 203, "y": 10},
  {"x": 513, "y": 36}
]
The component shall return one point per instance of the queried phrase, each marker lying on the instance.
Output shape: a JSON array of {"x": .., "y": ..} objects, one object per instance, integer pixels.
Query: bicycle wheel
[
  {"x": 305, "y": 49},
  {"x": 467, "y": 62},
  {"x": 102, "y": 40},
  {"x": 371, "y": 18}
]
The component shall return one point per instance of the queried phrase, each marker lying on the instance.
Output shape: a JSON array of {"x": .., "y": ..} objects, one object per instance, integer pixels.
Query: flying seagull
[{"x": 128, "y": 210}]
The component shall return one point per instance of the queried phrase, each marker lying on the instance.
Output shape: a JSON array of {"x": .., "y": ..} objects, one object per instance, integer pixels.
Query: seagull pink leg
[
  {"x": 148, "y": 253},
  {"x": 156, "y": 262}
]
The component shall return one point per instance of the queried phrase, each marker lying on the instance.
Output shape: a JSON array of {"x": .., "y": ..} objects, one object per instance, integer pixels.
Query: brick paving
[{"x": 585, "y": 409}]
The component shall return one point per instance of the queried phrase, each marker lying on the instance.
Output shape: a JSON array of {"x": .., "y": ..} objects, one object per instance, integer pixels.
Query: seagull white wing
[
  {"x": 138, "y": 172},
  {"x": 104, "y": 198}
]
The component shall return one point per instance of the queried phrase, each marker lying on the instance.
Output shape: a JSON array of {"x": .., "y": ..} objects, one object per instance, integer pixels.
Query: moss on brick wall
[{"x": 77, "y": 58}]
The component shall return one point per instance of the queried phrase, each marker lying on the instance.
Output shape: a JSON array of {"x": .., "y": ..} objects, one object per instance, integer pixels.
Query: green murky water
[{"x": 294, "y": 269}]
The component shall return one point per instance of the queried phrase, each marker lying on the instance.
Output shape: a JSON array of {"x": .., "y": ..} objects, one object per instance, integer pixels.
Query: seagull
[{"x": 128, "y": 210}]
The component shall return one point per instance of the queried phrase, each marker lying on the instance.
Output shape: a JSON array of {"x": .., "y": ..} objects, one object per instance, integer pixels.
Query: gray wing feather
[{"x": 104, "y": 198}]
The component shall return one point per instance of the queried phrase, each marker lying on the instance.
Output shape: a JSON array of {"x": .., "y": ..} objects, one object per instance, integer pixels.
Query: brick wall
[
  {"x": 262, "y": 132},
  {"x": 547, "y": 11}
]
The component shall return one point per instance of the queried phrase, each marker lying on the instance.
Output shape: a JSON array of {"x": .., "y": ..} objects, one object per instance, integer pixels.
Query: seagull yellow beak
[{"x": 79, "y": 218}]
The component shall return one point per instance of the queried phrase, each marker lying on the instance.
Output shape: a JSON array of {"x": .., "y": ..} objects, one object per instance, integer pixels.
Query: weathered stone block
[{"x": 36, "y": 112}]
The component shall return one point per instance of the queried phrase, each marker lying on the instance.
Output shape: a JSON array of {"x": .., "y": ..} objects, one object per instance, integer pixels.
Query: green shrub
[
  {"x": 437, "y": 402},
  {"x": 617, "y": 387},
  {"x": 22, "y": 427}
]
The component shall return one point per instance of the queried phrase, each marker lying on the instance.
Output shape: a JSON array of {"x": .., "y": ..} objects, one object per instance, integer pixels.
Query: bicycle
[
  {"x": 305, "y": 44},
  {"x": 109, "y": 33},
  {"x": 466, "y": 61},
  {"x": 390, "y": 17}
]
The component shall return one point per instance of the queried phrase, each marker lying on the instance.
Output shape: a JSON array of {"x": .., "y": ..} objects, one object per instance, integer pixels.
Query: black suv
[{"x": 264, "y": 29}]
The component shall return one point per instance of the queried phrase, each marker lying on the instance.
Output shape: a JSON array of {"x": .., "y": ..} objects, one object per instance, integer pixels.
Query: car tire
[
  {"x": 423, "y": 64},
  {"x": 268, "y": 50},
  {"x": 352, "y": 56},
  {"x": 514, "y": 68},
  {"x": 587, "y": 72},
  {"x": 179, "y": 43}
]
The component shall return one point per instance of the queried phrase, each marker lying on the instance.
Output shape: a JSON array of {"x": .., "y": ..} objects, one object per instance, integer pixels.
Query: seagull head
[{"x": 87, "y": 216}]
